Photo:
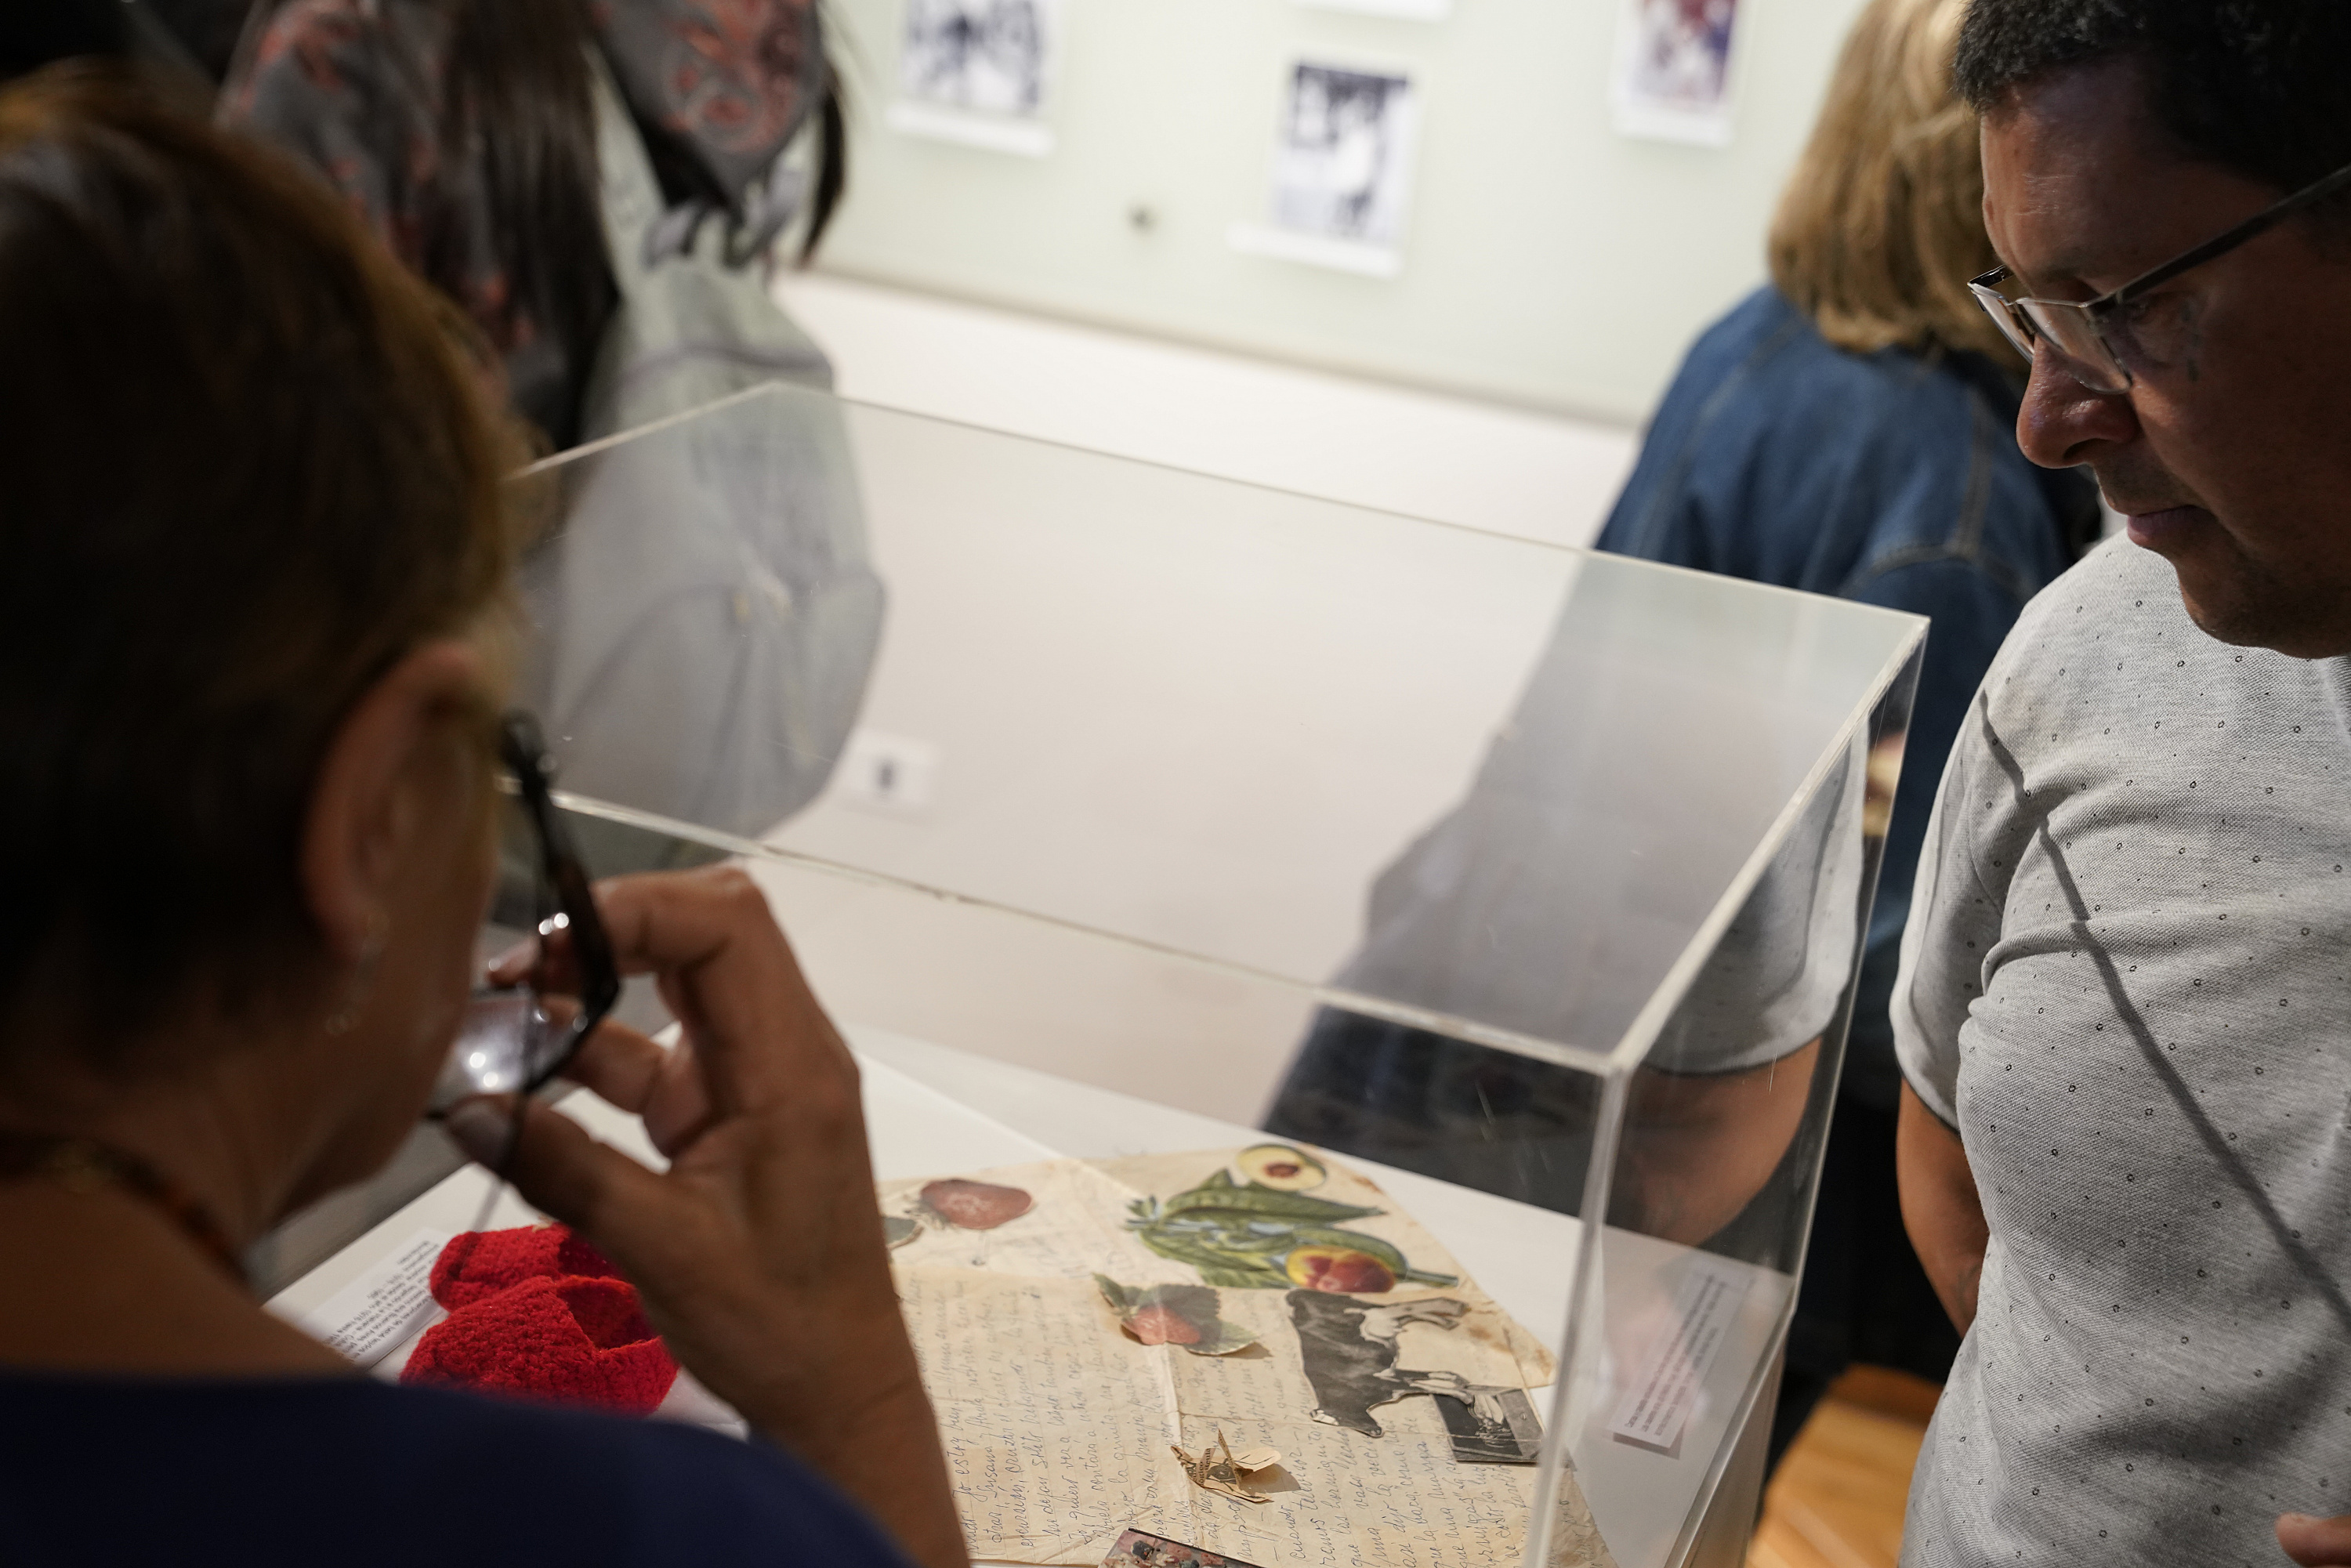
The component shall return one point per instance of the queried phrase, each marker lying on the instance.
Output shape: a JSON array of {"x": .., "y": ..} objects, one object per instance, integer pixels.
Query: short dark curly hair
[{"x": 2257, "y": 86}]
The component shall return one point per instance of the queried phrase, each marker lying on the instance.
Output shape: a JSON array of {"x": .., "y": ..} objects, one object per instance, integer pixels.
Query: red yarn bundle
[{"x": 538, "y": 1311}]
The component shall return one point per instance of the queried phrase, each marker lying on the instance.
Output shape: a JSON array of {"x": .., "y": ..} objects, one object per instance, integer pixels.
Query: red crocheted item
[
  {"x": 518, "y": 1326},
  {"x": 484, "y": 1262}
]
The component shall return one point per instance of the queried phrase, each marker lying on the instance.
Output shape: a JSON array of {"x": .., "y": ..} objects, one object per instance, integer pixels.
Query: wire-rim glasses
[{"x": 2105, "y": 346}]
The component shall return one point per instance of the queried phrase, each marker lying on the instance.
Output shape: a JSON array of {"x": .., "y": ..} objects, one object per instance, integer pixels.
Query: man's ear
[{"x": 364, "y": 807}]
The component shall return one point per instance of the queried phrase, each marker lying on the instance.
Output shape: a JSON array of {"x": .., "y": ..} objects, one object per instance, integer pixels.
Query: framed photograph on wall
[
  {"x": 1404, "y": 10},
  {"x": 1342, "y": 170},
  {"x": 1673, "y": 72},
  {"x": 979, "y": 72}
]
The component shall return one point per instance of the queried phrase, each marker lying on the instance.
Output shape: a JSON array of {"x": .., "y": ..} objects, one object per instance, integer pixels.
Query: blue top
[
  {"x": 95, "y": 1472},
  {"x": 1889, "y": 478}
]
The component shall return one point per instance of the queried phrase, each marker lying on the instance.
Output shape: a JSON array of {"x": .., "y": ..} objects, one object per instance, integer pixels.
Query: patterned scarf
[{"x": 355, "y": 87}]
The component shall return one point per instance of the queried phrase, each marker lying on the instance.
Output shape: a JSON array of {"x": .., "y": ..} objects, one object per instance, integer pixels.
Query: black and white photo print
[
  {"x": 1343, "y": 155},
  {"x": 982, "y": 54}
]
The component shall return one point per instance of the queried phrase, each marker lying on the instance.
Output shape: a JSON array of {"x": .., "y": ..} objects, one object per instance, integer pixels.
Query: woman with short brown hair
[{"x": 252, "y": 656}]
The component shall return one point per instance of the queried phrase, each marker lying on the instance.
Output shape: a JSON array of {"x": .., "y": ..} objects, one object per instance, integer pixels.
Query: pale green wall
[{"x": 1547, "y": 259}]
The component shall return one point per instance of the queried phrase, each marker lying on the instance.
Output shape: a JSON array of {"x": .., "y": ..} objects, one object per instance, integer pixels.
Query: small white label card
[
  {"x": 386, "y": 1305},
  {"x": 1670, "y": 1378}
]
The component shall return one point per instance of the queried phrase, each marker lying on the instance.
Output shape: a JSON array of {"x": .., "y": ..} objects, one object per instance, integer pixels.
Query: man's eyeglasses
[
  {"x": 516, "y": 1039},
  {"x": 2108, "y": 342}
]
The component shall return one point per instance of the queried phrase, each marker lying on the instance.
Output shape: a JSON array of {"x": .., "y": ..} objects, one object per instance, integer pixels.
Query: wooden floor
[{"x": 1836, "y": 1501}]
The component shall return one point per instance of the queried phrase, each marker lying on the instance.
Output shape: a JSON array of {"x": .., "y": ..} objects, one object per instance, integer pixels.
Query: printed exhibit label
[{"x": 1666, "y": 1387}]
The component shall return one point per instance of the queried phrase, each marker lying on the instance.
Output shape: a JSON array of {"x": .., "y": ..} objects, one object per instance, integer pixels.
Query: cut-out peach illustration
[{"x": 1343, "y": 1270}]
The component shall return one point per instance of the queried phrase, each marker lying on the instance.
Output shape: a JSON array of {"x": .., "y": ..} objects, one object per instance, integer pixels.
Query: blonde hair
[{"x": 1882, "y": 223}]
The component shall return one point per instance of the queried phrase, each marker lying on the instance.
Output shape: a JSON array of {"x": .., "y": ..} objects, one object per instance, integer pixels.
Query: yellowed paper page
[
  {"x": 1059, "y": 1429},
  {"x": 1055, "y": 1434}
]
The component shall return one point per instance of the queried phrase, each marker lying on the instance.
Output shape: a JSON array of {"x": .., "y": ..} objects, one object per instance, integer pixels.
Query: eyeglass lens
[
  {"x": 2088, "y": 357},
  {"x": 509, "y": 1040},
  {"x": 2030, "y": 324},
  {"x": 512, "y": 1039}
]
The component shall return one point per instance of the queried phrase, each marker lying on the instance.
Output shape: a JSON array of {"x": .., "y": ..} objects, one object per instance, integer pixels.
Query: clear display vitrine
[{"x": 1115, "y": 810}]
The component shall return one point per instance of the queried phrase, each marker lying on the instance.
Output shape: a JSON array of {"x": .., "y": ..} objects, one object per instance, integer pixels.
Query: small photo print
[
  {"x": 986, "y": 56},
  {"x": 1493, "y": 1427},
  {"x": 978, "y": 72},
  {"x": 1343, "y": 155},
  {"x": 1137, "y": 1550},
  {"x": 1406, "y": 10},
  {"x": 1673, "y": 69}
]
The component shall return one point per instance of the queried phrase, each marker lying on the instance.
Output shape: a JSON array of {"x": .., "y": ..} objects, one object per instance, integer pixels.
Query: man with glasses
[{"x": 2127, "y": 1135}]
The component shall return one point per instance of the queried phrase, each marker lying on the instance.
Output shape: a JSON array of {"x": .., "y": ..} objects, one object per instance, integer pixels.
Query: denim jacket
[{"x": 1890, "y": 479}]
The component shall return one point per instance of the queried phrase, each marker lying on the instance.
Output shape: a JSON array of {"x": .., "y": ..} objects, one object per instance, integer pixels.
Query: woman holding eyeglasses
[{"x": 253, "y": 654}]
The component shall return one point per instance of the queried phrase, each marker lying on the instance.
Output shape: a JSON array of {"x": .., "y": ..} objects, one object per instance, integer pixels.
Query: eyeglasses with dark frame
[
  {"x": 2100, "y": 339},
  {"x": 514, "y": 1039}
]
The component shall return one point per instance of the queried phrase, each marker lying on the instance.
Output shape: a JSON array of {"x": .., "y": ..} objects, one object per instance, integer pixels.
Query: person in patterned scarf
[{"x": 461, "y": 132}]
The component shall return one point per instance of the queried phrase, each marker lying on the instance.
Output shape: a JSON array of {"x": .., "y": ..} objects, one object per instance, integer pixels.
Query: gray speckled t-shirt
[{"x": 2125, "y": 982}]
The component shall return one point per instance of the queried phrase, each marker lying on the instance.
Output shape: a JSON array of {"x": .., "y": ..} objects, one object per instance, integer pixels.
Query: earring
[{"x": 345, "y": 1019}]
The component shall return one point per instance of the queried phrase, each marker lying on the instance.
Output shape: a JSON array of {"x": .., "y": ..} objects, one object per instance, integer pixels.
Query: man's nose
[{"x": 2063, "y": 424}]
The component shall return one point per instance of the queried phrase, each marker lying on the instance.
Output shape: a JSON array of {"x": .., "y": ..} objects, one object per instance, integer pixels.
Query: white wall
[
  {"x": 1547, "y": 260},
  {"x": 1537, "y": 476}
]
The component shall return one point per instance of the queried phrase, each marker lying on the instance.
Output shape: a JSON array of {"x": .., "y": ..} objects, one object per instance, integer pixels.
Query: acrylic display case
[{"x": 1113, "y": 810}]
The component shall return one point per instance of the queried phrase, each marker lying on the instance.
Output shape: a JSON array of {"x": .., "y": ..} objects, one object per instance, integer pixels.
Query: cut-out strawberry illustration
[{"x": 972, "y": 1205}]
